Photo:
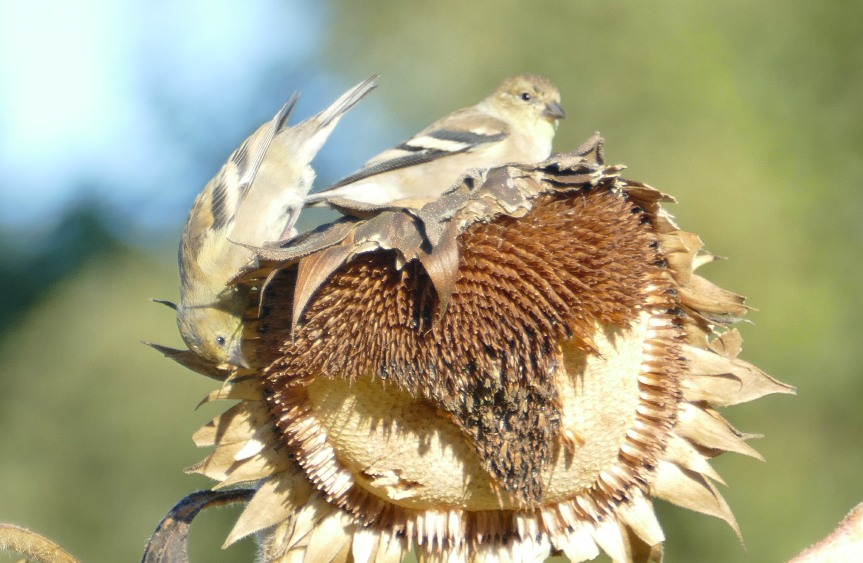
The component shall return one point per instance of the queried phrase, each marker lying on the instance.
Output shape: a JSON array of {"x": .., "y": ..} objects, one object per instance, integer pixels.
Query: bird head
[
  {"x": 530, "y": 95},
  {"x": 213, "y": 332}
]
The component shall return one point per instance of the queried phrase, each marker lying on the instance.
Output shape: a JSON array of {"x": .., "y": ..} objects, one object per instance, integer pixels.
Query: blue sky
[{"x": 134, "y": 103}]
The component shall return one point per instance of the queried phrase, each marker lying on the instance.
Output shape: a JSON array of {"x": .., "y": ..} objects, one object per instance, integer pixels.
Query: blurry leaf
[
  {"x": 845, "y": 543},
  {"x": 33, "y": 545},
  {"x": 28, "y": 269}
]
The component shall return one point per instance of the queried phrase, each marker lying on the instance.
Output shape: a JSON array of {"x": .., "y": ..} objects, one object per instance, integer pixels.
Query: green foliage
[
  {"x": 96, "y": 427},
  {"x": 29, "y": 268}
]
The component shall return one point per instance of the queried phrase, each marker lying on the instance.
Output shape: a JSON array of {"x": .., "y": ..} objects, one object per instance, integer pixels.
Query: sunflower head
[{"x": 515, "y": 370}]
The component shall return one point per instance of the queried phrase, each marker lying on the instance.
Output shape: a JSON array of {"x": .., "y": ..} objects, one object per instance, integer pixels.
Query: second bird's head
[{"x": 214, "y": 333}]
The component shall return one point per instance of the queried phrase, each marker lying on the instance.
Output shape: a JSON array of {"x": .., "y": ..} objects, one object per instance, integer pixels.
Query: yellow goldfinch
[
  {"x": 255, "y": 198},
  {"x": 516, "y": 123}
]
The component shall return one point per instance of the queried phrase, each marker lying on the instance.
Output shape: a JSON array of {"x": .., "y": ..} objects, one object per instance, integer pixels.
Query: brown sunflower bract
[{"x": 512, "y": 371}]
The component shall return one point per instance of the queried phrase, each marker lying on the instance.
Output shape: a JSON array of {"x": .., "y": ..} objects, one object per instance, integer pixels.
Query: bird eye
[
  {"x": 525, "y": 96},
  {"x": 220, "y": 340}
]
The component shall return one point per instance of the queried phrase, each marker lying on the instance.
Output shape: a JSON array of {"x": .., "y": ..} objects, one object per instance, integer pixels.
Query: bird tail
[
  {"x": 346, "y": 101},
  {"x": 315, "y": 132}
]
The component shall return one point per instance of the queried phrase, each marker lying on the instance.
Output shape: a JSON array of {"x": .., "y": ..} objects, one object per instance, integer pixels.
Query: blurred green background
[{"x": 750, "y": 114}]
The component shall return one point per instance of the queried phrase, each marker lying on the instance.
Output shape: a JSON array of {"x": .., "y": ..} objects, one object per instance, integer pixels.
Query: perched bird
[
  {"x": 255, "y": 198},
  {"x": 516, "y": 123}
]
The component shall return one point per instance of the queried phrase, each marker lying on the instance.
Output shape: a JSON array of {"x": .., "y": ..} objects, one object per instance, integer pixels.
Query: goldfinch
[
  {"x": 254, "y": 199},
  {"x": 516, "y": 123}
]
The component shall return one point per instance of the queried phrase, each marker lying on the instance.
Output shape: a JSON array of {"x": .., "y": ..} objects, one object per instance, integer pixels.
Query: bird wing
[
  {"x": 446, "y": 137},
  {"x": 230, "y": 186},
  {"x": 249, "y": 168}
]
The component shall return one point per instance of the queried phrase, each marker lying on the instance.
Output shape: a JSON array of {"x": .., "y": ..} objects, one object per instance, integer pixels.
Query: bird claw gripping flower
[{"x": 512, "y": 371}]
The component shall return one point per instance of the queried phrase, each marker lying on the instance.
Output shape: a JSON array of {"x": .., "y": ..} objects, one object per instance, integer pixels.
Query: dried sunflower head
[{"x": 515, "y": 370}]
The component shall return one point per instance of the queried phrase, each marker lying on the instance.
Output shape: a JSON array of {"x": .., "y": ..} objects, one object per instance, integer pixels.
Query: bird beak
[
  {"x": 166, "y": 303},
  {"x": 238, "y": 359},
  {"x": 553, "y": 110}
]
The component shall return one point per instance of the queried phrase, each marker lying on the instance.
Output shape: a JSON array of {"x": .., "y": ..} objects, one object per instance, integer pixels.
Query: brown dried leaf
[
  {"x": 729, "y": 344},
  {"x": 312, "y": 272},
  {"x": 237, "y": 424},
  {"x": 693, "y": 491},
  {"x": 192, "y": 361},
  {"x": 712, "y": 301},
  {"x": 707, "y": 429},
  {"x": 244, "y": 388},
  {"x": 266, "y": 463},
  {"x": 276, "y": 500},
  {"x": 441, "y": 264},
  {"x": 723, "y": 381},
  {"x": 302, "y": 245},
  {"x": 398, "y": 231},
  {"x": 593, "y": 149},
  {"x": 218, "y": 464}
]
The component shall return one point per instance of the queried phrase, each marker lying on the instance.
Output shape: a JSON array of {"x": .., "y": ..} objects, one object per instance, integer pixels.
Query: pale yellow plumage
[
  {"x": 516, "y": 123},
  {"x": 254, "y": 199}
]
